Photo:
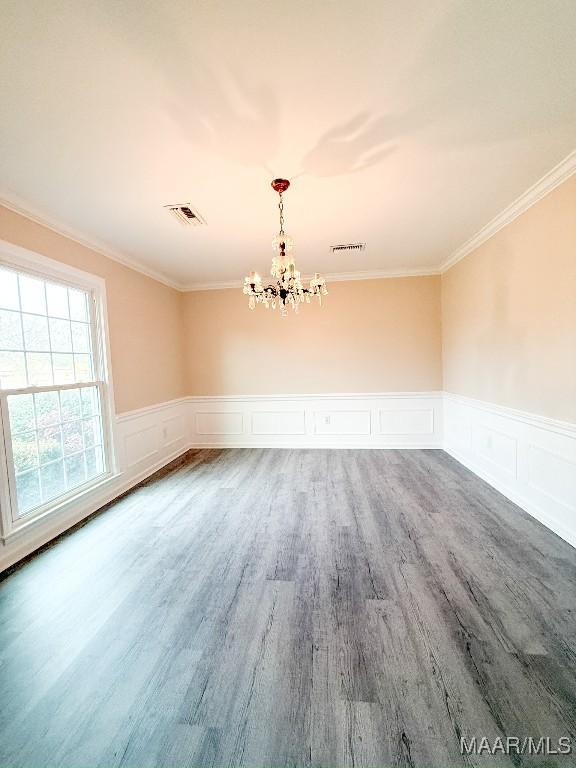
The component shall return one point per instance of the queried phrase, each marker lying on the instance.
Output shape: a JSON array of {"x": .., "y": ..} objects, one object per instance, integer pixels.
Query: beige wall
[
  {"x": 144, "y": 316},
  {"x": 370, "y": 336},
  {"x": 509, "y": 313}
]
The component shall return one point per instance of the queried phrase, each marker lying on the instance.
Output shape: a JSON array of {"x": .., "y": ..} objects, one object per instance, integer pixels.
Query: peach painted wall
[
  {"x": 144, "y": 316},
  {"x": 509, "y": 313},
  {"x": 370, "y": 336}
]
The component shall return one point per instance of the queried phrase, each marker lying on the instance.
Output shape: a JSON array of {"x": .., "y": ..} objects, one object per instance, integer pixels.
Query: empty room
[{"x": 287, "y": 383}]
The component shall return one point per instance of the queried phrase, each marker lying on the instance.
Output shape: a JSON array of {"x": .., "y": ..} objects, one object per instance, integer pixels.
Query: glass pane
[
  {"x": 60, "y": 336},
  {"x": 94, "y": 465},
  {"x": 75, "y": 471},
  {"x": 53, "y": 482},
  {"x": 72, "y": 434},
  {"x": 36, "y": 333},
  {"x": 63, "y": 369},
  {"x": 78, "y": 307},
  {"x": 24, "y": 451},
  {"x": 89, "y": 401},
  {"x": 47, "y": 408},
  {"x": 12, "y": 370},
  {"x": 39, "y": 367},
  {"x": 21, "y": 413},
  {"x": 49, "y": 444},
  {"x": 80, "y": 337},
  {"x": 83, "y": 368},
  {"x": 99, "y": 459},
  {"x": 32, "y": 297},
  {"x": 92, "y": 431},
  {"x": 57, "y": 296},
  {"x": 70, "y": 403},
  {"x": 8, "y": 289},
  {"x": 28, "y": 491},
  {"x": 10, "y": 330}
]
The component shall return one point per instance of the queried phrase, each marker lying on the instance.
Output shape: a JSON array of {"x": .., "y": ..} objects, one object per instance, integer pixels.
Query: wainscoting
[
  {"x": 395, "y": 420},
  {"x": 531, "y": 460}
]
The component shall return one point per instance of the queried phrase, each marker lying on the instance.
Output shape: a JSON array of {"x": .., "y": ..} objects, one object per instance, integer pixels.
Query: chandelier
[{"x": 287, "y": 290}]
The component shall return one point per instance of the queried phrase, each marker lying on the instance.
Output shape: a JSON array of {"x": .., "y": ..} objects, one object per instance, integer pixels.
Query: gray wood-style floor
[{"x": 291, "y": 607}]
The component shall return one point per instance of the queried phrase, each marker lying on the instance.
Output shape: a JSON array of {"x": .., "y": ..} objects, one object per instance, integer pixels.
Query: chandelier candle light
[{"x": 288, "y": 288}]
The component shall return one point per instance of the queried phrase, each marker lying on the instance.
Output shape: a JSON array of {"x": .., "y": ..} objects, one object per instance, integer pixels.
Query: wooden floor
[{"x": 291, "y": 607}]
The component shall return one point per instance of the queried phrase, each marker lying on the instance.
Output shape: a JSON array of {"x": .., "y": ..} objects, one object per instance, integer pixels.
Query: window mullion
[
  {"x": 49, "y": 335},
  {"x": 37, "y": 448},
  {"x": 106, "y": 426},
  {"x": 52, "y": 387},
  {"x": 22, "y": 329},
  {"x": 11, "y": 514},
  {"x": 95, "y": 335},
  {"x": 5, "y": 495}
]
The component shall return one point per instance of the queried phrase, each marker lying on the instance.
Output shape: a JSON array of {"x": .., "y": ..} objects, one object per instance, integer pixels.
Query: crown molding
[
  {"x": 332, "y": 277},
  {"x": 215, "y": 286},
  {"x": 380, "y": 274},
  {"x": 527, "y": 199},
  {"x": 560, "y": 173},
  {"x": 95, "y": 245}
]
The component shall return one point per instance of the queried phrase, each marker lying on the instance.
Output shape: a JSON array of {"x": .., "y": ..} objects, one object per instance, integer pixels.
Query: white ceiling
[{"x": 407, "y": 125}]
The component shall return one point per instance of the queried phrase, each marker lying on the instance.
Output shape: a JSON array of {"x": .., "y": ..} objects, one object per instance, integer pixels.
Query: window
[{"x": 53, "y": 390}]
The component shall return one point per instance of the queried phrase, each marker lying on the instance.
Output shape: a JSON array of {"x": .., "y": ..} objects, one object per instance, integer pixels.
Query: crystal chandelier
[{"x": 287, "y": 290}]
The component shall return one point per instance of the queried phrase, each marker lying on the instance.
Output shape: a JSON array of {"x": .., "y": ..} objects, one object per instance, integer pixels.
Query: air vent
[
  {"x": 348, "y": 247},
  {"x": 186, "y": 214}
]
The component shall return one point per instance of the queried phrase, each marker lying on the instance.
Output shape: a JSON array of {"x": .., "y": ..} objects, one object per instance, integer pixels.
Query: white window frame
[{"x": 22, "y": 260}]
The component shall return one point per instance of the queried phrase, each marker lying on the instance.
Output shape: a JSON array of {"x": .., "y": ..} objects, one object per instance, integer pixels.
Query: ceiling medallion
[{"x": 288, "y": 289}]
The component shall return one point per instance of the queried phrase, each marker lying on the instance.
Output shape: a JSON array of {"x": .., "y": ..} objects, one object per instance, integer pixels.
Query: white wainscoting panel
[
  {"x": 406, "y": 421},
  {"x": 528, "y": 458},
  {"x": 342, "y": 422},
  {"x": 278, "y": 422},
  {"x": 389, "y": 420},
  {"x": 142, "y": 445},
  {"x": 219, "y": 423}
]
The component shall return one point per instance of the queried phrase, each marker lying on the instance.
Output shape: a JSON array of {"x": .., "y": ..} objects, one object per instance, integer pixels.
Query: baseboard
[{"x": 528, "y": 458}]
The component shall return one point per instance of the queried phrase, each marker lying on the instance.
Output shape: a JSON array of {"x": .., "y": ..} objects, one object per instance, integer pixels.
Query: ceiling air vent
[
  {"x": 186, "y": 214},
  {"x": 348, "y": 247}
]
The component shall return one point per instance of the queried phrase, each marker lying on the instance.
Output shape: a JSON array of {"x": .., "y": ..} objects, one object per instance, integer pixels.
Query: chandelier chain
[{"x": 281, "y": 209}]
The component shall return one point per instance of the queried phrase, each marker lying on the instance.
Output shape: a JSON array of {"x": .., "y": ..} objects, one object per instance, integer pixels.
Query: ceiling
[{"x": 405, "y": 125}]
